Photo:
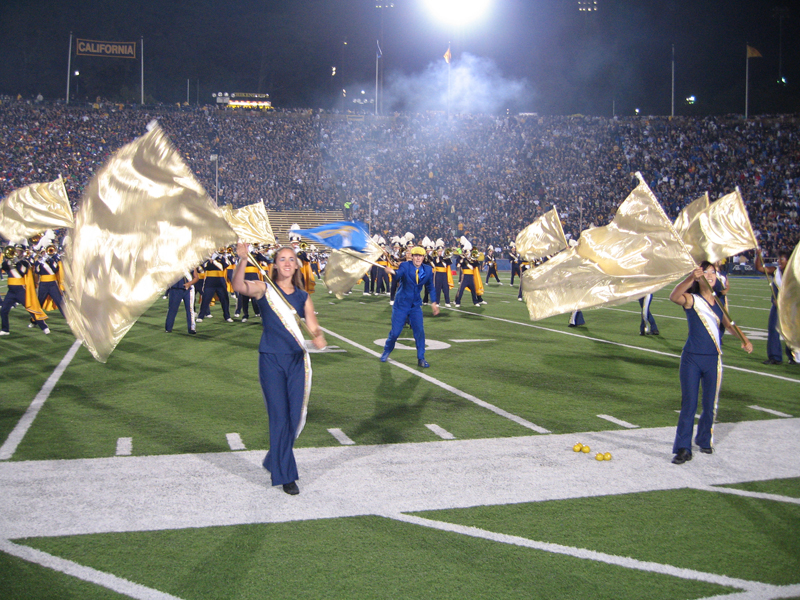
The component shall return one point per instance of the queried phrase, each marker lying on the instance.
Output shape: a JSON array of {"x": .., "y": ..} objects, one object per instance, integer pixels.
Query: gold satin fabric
[
  {"x": 721, "y": 230},
  {"x": 789, "y": 301},
  {"x": 143, "y": 222},
  {"x": 636, "y": 254},
  {"x": 251, "y": 223},
  {"x": 345, "y": 267},
  {"x": 33, "y": 209},
  {"x": 541, "y": 238},
  {"x": 688, "y": 214}
]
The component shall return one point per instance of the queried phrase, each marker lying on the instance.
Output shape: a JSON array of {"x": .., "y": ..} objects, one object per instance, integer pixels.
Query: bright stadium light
[{"x": 457, "y": 12}]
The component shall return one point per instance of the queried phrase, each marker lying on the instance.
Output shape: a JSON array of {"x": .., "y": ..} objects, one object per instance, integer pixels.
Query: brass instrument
[
  {"x": 35, "y": 239},
  {"x": 51, "y": 250},
  {"x": 9, "y": 252},
  {"x": 477, "y": 255}
]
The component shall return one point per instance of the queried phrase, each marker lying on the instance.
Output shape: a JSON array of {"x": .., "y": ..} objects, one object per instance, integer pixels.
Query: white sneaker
[
  {"x": 391, "y": 302},
  {"x": 209, "y": 316},
  {"x": 484, "y": 302},
  {"x": 447, "y": 305},
  {"x": 46, "y": 330},
  {"x": 237, "y": 315},
  {"x": 244, "y": 320},
  {"x": 520, "y": 299},
  {"x": 198, "y": 320},
  {"x": 229, "y": 320},
  {"x": 458, "y": 306},
  {"x": 367, "y": 294},
  {"x": 4, "y": 333},
  {"x": 30, "y": 325},
  {"x": 500, "y": 282}
]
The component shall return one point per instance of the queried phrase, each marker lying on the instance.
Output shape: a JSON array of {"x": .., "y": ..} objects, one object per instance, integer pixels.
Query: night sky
[{"x": 524, "y": 56}]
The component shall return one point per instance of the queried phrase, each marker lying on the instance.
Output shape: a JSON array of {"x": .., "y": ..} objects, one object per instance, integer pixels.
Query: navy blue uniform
[
  {"x": 176, "y": 294},
  {"x": 47, "y": 270},
  {"x": 281, "y": 370}
]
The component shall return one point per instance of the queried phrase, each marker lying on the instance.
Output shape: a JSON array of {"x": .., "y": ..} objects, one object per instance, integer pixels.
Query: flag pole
[
  {"x": 69, "y": 64},
  {"x": 142, "y": 75},
  {"x": 377, "y": 58},
  {"x": 746, "y": 83},
  {"x": 672, "y": 111}
]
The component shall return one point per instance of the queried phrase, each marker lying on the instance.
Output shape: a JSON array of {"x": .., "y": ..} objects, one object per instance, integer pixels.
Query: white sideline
[{"x": 15, "y": 437}]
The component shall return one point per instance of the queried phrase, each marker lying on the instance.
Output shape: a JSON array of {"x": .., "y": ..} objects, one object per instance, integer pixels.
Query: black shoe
[
  {"x": 192, "y": 332},
  {"x": 707, "y": 450},
  {"x": 682, "y": 456},
  {"x": 291, "y": 488},
  {"x": 423, "y": 363},
  {"x": 653, "y": 333},
  {"x": 771, "y": 361}
]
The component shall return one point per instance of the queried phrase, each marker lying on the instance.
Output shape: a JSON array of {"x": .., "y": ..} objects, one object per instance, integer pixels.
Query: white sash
[
  {"x": 287, "y": 316},
  {"x": 708, "y": 318}
]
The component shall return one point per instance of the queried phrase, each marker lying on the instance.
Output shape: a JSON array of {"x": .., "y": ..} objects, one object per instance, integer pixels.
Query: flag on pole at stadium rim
[
  {"x": 447, "y": 55},
  {"x": 379, "y": 54},
  {"x": 752, "y": 52},
  {"x": 338, "y": 235}
]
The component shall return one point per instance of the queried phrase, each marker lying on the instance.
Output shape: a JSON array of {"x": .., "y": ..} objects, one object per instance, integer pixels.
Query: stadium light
[{"x": 457, "y": 12}]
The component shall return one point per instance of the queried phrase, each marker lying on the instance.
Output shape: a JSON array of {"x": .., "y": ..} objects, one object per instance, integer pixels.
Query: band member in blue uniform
[
  {"x": 647, "y": 326},
  {"x": 412, "y": 276},
  {"x": 47, "y": 268},
  {"x": 774, "y": 356},
  {"x": 441, "y": 278},
  {"x": 16, "y": 267},
  {"x": 490, "y": 261},
  {"x": 181, "y": 291},
  {"x": 515, "y": 259},
  {"x": 470, "y": 270},
  {"x": 281, "y": 366},
  {"x": 215, "y": 283},
  {"x": 243, "y": 301},
  {"x": 701, "y": 360}
]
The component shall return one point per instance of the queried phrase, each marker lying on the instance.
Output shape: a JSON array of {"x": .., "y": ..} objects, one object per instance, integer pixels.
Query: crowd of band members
[{"x": 211, "y": 281}]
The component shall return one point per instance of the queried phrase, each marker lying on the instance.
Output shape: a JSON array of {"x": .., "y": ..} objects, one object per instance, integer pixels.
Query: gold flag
[
  {"x": 251, "y": 223},
  {"x": 752, "y": 52},
  {"x": 35, "y": 208},
  {"x": 688, "y": 214},
  {"x": 789, "y": 301},
  {"x": 144, "y": 221},
  {"x": 636, "y": 254},
  {"x": 721, "y": 230},
  {"x": 345, "y": 267},
  {"x": 541, "y": 238}
]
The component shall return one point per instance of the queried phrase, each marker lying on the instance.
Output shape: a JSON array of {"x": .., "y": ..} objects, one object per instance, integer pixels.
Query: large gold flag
[
  {"x": 789, "y": 301},
  {"x": 251, "y": 223},
  {"x": 636, "y": 254},
  {"x": 33, "y": 209},
  {"x": 144, "y": 221},
  {"x": 688, "y": 214},
  {"x": 541, "y": 238},
  {"x": 721, "y": 230},
  {"x": 345, "y": 267},
  {"x": 752, "y": 52}
]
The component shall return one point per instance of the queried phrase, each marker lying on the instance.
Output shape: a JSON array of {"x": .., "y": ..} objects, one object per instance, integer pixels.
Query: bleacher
[{"x": 282, "y": 220}]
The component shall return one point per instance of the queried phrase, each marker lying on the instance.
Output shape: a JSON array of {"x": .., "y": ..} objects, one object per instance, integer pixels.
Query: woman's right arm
[
  {"x": 249, "y": 287},
  {"x": 679, "y": 295}
]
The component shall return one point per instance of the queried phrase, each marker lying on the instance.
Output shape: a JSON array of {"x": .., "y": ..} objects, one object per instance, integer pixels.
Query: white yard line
[
  {"x": 124, "y": 446},
  {"x": 765, "y": 590},
  {"x": 621, "y": 345},
  {"x": 448, "y": 387},
  {"x": 106, "y": 580},
  {"x": 619, "y": 422},
  {"x": 18, "y": 433},
  {"x": 440, "y": 431}
]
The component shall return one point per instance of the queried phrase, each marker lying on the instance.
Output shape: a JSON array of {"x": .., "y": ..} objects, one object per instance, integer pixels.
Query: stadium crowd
[{"x": 481, "y": 176}]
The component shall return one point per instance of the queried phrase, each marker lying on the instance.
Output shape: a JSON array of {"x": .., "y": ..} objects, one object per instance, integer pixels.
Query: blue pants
[
  {"x": 774, "y": 338},
  {"x": 413, "y": 314},
  {"x": 576, "y": 319},
  {"x": 50, "y": 288},
  {"x": 283, "y": 384},
  {"x": 15, "y": 295},
  {"x": 221, "y": 290},
  {"x": 646, "y": 314},
  {"x": 440, "y": 285},
  {"x": 176, "y": 296},
  {"x": 467, "y": 281},
  {"x": 697, "y": 369}
]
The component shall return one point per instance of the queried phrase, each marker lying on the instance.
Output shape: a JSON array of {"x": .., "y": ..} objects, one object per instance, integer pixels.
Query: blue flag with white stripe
[{"x": 342, "y": 234}]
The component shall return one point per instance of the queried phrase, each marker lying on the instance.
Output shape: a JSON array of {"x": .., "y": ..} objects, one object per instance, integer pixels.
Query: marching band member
[
  {"x": 20, "y": 289},
  {"x": 281, "y": 366},
  {"x": 648, "y": 322},
  {"x": 490, "y": 262},
  {"x": 514, "y": 257},
  {"x": 251, "y": 273},
  {"x": 470, "y": 277},
  {"x": 215, "y": 283},
  {"x": 48, "y": 269},
  {"x": 701, "y": 360},
  {"x": 182, "y": 291},
  {"x": 413, "y": 276},
  {"x": 442, "y": 277}
]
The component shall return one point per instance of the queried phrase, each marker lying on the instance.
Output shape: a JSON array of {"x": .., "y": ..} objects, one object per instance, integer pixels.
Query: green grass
[{"x": 175, "y": 393}]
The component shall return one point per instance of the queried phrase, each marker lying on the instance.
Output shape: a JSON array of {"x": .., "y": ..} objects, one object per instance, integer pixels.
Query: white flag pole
[
  {"x": 142, "y": 77},
  {"x": 69, "y": 64}
]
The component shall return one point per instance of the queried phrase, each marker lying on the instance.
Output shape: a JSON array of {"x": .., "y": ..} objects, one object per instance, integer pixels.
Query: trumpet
[
  {"x": 9, "y": 252},
  {"x": 51, "y": 250}
]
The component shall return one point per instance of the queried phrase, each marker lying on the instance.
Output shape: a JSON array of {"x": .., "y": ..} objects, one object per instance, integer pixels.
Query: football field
[{"x": 142, "y": 477}]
